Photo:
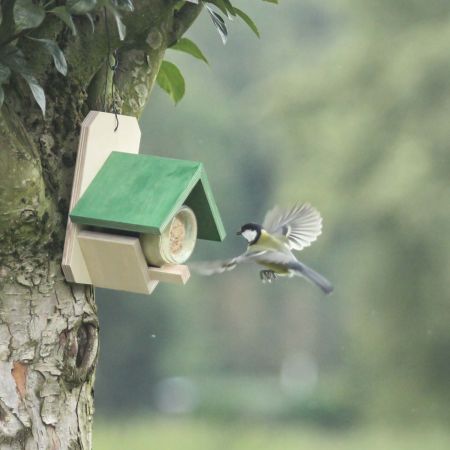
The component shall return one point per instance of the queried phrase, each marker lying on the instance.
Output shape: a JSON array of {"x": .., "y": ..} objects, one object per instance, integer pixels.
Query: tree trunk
[
  {"x": 48, "y": 350},
  {"x": 49, "y": 328}
]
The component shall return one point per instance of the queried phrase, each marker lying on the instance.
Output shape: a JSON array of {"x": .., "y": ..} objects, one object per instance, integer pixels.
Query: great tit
[{"x": 270, "y": 245}]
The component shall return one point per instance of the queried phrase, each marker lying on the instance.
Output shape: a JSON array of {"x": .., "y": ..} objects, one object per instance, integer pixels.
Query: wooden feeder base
[
  {"x": 177, "y": 274},
  {"x": 117, "y": 262}
]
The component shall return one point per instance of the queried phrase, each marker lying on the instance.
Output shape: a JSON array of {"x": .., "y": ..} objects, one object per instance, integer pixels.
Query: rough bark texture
[
  {"x": 48, "y": 328},
  {"x": 48, "y": 349}
]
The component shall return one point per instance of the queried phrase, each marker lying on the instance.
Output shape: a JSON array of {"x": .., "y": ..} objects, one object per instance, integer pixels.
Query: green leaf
[
  {"x": 5, "y": 72},
  {"x": 230, "y": 8},
  {"x": 27, "y": 14},
  {"x": 219, "y": 23},
  {"x": 2, "y": 96},
  {"x": 36, "y": 90},
  {"x": 91, "y": 21},
  {"x": 247, "y": 20},
  {"x": 187, "y": 46},
  {"x": 56, "y": 53},
  {"x": 271, "y": 1},
  {"x": 121, "y": 28},
  {"x": 79, "y": 7},
  {"x": 171, "y": 80},
  {"x": 63, "y": 14},
  {"x": 220, "y": 4},
  {"x": 124, "y": 5},
  {"x": 15, "y": 60}
]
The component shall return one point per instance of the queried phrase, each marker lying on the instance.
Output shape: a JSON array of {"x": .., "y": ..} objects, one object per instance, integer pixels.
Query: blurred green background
[{"x": 345, "y": 104}]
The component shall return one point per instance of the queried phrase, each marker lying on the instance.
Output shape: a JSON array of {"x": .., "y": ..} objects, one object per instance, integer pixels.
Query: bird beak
[{"x": 238, "y": 233}]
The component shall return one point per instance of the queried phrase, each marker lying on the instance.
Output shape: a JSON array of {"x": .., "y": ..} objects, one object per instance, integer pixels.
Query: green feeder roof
[{"x": 142, "y": 193}]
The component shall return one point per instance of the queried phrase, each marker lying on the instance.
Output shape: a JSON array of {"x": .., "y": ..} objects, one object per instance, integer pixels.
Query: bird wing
[
  {"x": 220, "y": 266},
  {"x": 301, "y": 225}
]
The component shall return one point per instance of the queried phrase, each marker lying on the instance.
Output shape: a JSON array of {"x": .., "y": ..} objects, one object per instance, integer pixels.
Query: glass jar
[{"x": 175, "y": 244}]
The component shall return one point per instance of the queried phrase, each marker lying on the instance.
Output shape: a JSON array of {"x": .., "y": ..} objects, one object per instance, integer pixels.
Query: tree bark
[
  {"x": 48, "y": 328},
  {"x": 48, "y": 351}
]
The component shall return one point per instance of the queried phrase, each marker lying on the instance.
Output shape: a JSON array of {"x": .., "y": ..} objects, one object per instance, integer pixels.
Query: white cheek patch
[{"x": 250, "y": 235}]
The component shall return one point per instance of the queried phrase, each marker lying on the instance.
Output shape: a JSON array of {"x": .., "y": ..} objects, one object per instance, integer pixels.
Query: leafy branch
[
  {"x": 29, "y": 16},
  {"x": 170, "y": 78}
]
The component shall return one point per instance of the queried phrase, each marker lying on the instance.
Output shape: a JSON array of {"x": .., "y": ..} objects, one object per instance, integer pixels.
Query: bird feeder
[{"x": 134, "y": 219}]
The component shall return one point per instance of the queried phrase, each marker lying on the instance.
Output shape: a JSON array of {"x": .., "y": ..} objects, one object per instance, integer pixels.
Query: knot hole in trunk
[{"x": 81, "y": 348}]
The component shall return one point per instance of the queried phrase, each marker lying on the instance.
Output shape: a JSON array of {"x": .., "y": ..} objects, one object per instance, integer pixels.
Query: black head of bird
[{"x": 251, "y": 232}]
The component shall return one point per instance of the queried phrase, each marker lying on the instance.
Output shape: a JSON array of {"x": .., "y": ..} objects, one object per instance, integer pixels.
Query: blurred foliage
[{"x": 344, "y": 104}]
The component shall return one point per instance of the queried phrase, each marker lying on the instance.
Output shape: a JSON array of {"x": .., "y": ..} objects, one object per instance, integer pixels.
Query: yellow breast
[{"x": 268, "y": 242}]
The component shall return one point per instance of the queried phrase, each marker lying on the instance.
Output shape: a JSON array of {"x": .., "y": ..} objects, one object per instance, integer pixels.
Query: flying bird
[{"x": 271, "y": 245}]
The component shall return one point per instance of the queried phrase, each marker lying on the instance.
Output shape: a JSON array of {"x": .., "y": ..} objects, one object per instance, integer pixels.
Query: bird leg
[{"x": 267, "y": 276}]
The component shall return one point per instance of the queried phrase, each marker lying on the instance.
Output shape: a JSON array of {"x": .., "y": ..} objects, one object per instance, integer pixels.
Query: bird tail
[{"x": 319, "y": 280}]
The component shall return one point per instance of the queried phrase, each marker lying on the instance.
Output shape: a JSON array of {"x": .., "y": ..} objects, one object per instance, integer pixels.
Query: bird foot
[{"x": 268, "y": 276}]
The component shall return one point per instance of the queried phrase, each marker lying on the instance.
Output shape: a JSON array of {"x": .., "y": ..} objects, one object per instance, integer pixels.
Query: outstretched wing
[
  {"x": 220, "y": 266},
  {"x": 301, "y": 225}
]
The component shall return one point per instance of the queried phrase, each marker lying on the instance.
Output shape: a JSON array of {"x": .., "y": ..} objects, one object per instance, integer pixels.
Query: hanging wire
[{"x": 110, "y": 67}]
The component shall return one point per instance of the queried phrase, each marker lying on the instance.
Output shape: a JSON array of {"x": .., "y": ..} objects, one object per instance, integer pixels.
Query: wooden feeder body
[{"x": 118, "y": 194}]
